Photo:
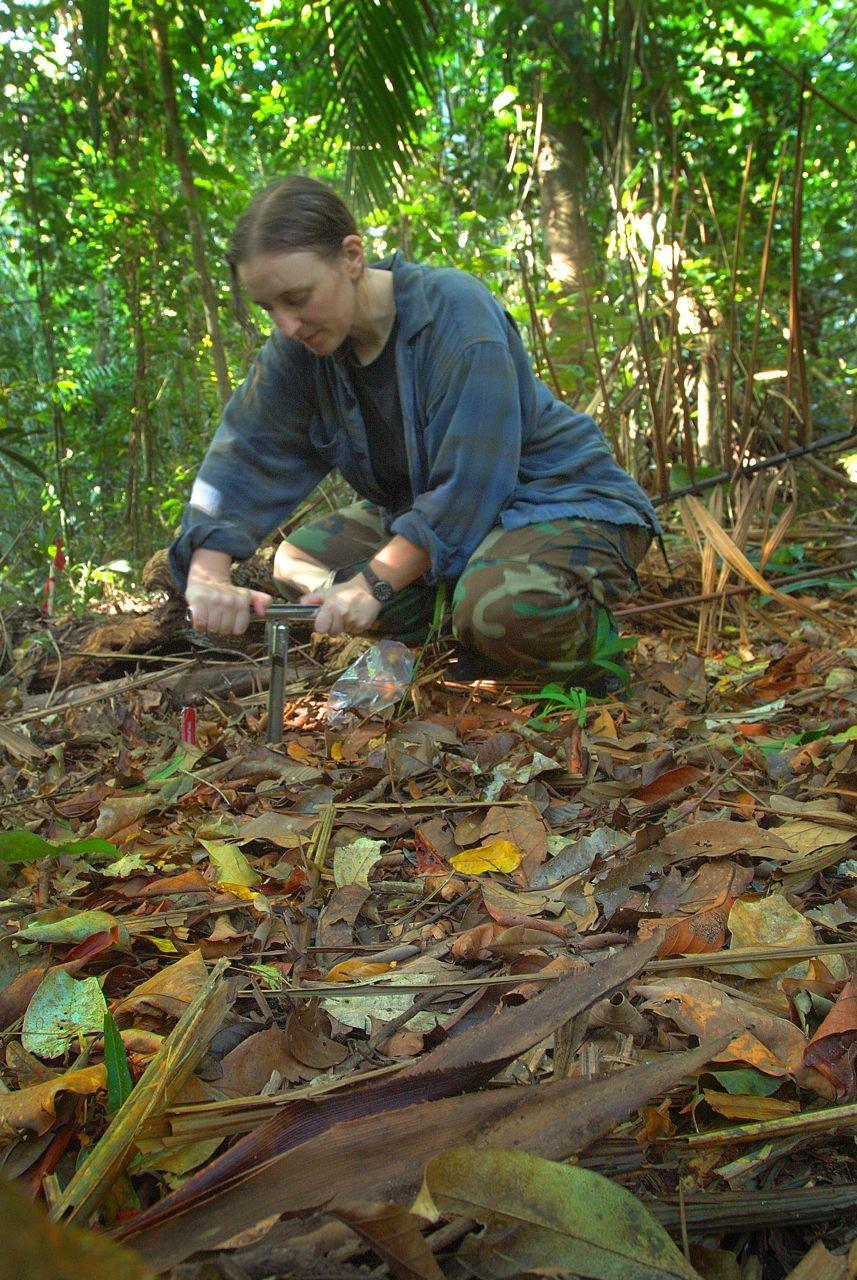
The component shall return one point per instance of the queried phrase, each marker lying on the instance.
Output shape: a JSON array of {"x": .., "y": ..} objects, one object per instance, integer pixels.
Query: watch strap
[{"x": 381, "y": 590}]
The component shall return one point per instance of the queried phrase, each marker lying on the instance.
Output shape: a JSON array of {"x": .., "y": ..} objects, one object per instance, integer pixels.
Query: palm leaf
[
  {"x": 21, "y": 460},
  {"x": 96, "y": 24},
  {"x": 377, "y": 73}
]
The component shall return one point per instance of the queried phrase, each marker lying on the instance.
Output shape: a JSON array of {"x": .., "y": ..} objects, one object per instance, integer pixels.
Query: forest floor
[{"x": 493, "y": 985}]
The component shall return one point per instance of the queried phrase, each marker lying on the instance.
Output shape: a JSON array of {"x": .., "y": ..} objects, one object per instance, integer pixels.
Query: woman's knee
[
  {"x": 521, "y": 621},
  {"x": 297, "y": 568}
]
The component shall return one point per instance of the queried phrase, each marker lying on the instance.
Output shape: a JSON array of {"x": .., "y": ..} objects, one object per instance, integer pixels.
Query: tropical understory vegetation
[{"x": 661, "y": 194}]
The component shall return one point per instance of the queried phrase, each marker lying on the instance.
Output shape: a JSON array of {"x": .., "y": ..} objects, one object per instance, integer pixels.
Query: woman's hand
[
  {"x": 346, "y": 608},
  {"x": 223, "y": 609},
  {"x": 214, "y": 602}
]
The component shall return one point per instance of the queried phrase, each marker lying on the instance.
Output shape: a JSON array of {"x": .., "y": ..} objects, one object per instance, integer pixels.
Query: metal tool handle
[
  {"x": 277, "y": 619},
  {"x": 290, "y": 612}
]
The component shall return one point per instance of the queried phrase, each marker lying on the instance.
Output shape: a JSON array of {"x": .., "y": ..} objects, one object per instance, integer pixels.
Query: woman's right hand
[
  {"x": 223, "y": 609},
  {"x": 214, "y": 602}
]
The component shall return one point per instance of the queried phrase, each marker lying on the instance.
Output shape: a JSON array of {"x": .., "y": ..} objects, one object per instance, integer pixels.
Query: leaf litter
[{"x": 508, "y": 983}]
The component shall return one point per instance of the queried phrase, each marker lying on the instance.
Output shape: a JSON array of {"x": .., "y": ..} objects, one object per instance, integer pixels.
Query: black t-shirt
[{"x": 377, "y": 394}]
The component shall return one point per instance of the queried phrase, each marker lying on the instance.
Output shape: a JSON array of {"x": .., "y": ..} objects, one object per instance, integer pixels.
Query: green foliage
[
  {"x": 119, "y": 1082},
  {"x": 24, "y": 846},
  {"x": 558, "y": 698},
  {"x": 442, "y": 123},
  {"x": 608, "y": 645}
]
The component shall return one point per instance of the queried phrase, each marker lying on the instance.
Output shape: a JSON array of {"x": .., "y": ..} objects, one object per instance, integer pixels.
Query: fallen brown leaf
[
  {"x": 33, "y": 1109},
  {"x": 833, "y": 1048},
  {"x": 385, "y": 1155}
]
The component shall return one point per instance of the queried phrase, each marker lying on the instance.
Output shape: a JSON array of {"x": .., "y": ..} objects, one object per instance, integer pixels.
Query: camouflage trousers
[{"x": 528, "y": 598}]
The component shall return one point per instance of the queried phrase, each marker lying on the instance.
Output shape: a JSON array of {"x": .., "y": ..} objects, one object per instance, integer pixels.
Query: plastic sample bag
[{"x": 377, "y": 680}]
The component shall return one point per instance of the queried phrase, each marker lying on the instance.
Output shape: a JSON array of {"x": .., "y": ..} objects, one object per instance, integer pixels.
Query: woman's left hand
[{"x": 347, "y": 608}]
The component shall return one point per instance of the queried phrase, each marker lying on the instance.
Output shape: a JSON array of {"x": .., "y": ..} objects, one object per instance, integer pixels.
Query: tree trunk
[
  {"x": 707, "y": 393},
  {"x": 197, "y": 237},
  {"x": 139, "y": 509},
  {"x": 562, "y": 183},
  {"x": 48, "y": 326}
]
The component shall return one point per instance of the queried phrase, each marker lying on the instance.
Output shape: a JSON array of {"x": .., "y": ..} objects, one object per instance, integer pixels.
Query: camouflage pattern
[
  {"x": 346, "y": 540},
  {"x": 529, "y": 598}
]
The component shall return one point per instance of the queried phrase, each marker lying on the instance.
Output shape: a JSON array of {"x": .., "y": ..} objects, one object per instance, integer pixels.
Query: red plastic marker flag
[
  {"x": 189, "y": 726},
  {"x": 58, "y": 563}
]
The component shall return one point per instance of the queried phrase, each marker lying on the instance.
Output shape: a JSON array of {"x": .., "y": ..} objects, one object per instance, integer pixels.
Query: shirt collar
[{"x": 412, "y": 308}]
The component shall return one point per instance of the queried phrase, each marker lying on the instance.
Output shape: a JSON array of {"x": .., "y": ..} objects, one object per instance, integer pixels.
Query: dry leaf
[
  {"x": 719, "y": 837},
  {"x": 33, "y": 1110},
  {"x": 169, "y": 991},
  {"x": 760, "y": 1038},
  {"x": 522, "y": 826},
  {"x": 833, "y": 1048},
  {"x": 668, "y": 784},
  {"x": 499, "y": 855},
  {"x": 120, "y": 812},
  {"x": 247, "y": 1068},
  {"x": 768, "y": 922},
  {"x": 688, "y": 935},
  {"x": 395, "y": 1235},
  {"x": 725, "y": 547}
]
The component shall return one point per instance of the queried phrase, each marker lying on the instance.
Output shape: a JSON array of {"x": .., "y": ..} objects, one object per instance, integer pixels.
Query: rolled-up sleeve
[
  {"x": 473, "y": 439},
  {"x": 259, "y": 465}
]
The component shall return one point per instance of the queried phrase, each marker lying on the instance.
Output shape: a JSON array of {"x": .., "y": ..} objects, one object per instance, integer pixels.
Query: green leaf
[
  {"x": 680, "y": 478},
  {"x": 185, "y": 757},
  {"x": 269, "y": 975},
  {"x": 61, "y": 1010},
  {"x": 232, "y": 866},
  {"x": 746, "y": 1080},
  {"x": 541, "y": 1218},
  {"x": 25, "y": 846},
  {"x": 95, "y": 849},
  {"x": 45, "y": 1250},
  {"x": 119, "y": 1082},
  {"x": 615, "y": 669},
  {"x": 65, "y": 925}
]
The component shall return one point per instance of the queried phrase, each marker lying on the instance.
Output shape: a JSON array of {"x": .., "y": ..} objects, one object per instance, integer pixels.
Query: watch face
[{"x": 383, "y": 591}]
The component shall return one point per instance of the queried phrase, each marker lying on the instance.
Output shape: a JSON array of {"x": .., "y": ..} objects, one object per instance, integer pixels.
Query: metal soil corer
[{"x": 277, "y": 620}]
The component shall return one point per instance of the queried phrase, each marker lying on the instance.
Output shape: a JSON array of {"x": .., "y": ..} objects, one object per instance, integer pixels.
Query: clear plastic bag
[{"x": 378, "y": 679}]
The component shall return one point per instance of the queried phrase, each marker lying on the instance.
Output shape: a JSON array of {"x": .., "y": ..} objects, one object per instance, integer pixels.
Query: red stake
[
  {"x": 58, "y": 563},
  {"x": 189, "y": 726}
]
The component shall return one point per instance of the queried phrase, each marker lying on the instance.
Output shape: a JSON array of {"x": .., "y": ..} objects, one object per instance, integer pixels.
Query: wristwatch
[{"x": 380, "y": 589}]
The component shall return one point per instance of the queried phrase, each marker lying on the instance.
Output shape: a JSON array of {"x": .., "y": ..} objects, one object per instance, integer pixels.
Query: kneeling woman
[{"x": 414, "y": 383}]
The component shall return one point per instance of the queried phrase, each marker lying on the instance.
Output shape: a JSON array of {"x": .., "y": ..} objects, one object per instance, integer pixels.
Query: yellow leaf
[
  {"x": 238, "y": 891},
  {"x": 499, "y": 855},
  {"x": 336, "y": 752},
  {"x": 162, "y": 944},
  {"x": 347, "y": 970}
]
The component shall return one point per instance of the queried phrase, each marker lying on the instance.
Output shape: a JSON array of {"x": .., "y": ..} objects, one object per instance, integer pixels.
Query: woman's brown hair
[{"x": 291, "y": 214}]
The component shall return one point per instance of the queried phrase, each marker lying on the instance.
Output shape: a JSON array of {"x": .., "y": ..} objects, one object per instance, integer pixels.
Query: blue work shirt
[{"x": 486, "y": 442}]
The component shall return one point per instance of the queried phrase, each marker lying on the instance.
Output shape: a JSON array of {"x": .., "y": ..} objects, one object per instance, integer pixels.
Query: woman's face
[{"x": 307, "y": 296}]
